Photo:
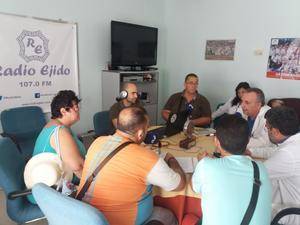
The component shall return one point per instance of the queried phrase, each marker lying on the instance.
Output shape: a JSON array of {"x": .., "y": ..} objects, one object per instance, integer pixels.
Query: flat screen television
[{"x": 133, "y": 45}]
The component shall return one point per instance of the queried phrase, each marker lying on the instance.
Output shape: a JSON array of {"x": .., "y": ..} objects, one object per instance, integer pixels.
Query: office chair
[
  {"x": 102, "y": 123},
  {"x": 217, "y": 120},
  {"x": 60, "y": 209},
  {"x": 283, "y": 213},
  {"x": 12, "y": 166},
  {"x": 23, "y": 125}
]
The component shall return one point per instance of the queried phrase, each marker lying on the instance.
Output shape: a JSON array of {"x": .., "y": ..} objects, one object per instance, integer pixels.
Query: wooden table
[
  {"x": 185, "y": 204},
  {"x": 203, "y": 143}
]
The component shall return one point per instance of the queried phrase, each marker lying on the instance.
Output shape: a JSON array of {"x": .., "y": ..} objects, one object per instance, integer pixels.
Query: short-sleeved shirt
[
  {"x": 177, "y": 103},
  {"x": 226, "y": 186},
  {"x": 122, "y": 190}
]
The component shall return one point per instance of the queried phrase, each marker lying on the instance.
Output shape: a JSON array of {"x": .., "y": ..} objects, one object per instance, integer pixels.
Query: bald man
[
  {"x": 122, "y": 189},
  {"x": 130, "y": 100}
]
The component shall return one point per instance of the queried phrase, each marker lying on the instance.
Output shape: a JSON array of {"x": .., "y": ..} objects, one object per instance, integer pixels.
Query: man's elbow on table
[
  {"x": 182, "y": 184},
  {"x": 174, "y": 165}
]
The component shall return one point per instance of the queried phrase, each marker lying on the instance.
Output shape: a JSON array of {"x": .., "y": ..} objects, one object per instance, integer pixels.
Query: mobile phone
[{"x": 217, "y": 154}]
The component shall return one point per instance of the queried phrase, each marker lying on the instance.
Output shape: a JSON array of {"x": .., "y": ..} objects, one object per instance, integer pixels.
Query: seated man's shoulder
[
  {"x": 207, "y": 163},
  {"x": 265, "y": 108},
  {"x": 142, "y": 151},
  {"x": 201, "y": 97},
  {"x": 96, "y": 145},
  {"x": 115, "y": 106},
  {"x": 176, "y": 95},
  {"x": 262, "y": 169},
  {"x": 114, "y": 110},
  {"x": 142, "y": 148}
]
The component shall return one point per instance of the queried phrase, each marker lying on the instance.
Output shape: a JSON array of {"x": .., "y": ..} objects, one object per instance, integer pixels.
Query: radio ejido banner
[{"x": 37, "y": 59}]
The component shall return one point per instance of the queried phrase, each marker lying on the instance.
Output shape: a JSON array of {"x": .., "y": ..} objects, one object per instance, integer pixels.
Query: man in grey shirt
[{"x": 130, "y": 100}]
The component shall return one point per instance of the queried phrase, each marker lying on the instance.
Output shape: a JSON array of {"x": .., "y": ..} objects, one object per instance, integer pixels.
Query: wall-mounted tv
[{"x": 133, "y": 45}]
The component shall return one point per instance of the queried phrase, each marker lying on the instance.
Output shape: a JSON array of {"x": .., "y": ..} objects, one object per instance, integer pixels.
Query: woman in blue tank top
[{"x": 64, "y": 113}]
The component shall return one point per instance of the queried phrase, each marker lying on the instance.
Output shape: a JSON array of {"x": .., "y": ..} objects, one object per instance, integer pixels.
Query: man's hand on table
[
  {"x": 168, "y": 157},
  {"x": 174, "y": 165},
  {"x": 202, "y": 155}
]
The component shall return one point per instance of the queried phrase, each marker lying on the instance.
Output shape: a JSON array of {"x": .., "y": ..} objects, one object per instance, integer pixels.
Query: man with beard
[
  {"x": 131, "y": 99},
  {"x": 283, "y": 161},
  {"x": 122, "y": 189}
]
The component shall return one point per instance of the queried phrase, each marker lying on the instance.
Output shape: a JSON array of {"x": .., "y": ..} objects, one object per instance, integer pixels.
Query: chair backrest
[
  {"x": 63, "y": 210},
  {"x": 289, "y": 102},
  {"x": 24, "y": 124},
  {"x": 293, "y": 103},
  {"x": 102, "y": 123},
  {"x": 12, "y": 166},
  {"x": 217, "y": 119},
  {"x": 285, "y": 212}
]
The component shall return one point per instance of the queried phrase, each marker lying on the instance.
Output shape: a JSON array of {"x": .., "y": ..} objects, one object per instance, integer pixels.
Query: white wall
[
  {"x": 184, "y": 26},
  {"x": 252, "y": 23},
  {"x": 93, "y": 18}
]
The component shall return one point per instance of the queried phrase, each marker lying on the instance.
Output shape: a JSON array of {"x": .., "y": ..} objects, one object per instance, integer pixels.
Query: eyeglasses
[
  {"x": 74, "y": 107},
  {"x": 192, "y": 83}
]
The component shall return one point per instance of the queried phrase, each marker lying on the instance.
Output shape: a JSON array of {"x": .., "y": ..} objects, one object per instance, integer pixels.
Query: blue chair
[
  {"x": 63, "y": 210},
  {"x": 12, "y": 166},
  {"x": 102, "y": 123},
  {"x": 217, "y": 120},
  {"x": 283, "y": 213},
  {"x": 23, "y": 125}
]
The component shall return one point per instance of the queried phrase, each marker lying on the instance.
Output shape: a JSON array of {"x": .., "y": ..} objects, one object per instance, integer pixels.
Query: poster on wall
[
  {"x": 219, "y": 49},
  {"x": 37, "y": 59},
  {"x": 283, "y": 62}
]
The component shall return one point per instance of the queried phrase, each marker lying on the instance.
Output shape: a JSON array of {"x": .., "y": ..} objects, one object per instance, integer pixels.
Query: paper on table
[
  {"x": 188, "y": 164},
  {"x": 204, "y": 132}
]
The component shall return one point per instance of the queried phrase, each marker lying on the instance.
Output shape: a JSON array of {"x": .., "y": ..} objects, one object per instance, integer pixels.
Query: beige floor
[{"x": 4, "y": 220}]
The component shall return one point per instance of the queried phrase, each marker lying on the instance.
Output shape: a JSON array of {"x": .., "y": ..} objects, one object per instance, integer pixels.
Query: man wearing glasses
[
  {"x": 283, "y": 161},
  {"x": 253, "y": 105},
  {"x": 189, "y": 99}
]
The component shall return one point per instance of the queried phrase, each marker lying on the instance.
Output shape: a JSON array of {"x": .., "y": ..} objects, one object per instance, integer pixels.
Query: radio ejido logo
[{"x": 33, "y": 46}]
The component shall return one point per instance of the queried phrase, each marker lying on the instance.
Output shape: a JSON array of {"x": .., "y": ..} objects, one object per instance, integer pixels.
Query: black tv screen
[{"x": 133, "y": 45}]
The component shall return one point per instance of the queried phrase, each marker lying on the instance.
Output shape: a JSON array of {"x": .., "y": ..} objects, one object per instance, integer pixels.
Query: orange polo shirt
[{"x": 120, "y": 186}]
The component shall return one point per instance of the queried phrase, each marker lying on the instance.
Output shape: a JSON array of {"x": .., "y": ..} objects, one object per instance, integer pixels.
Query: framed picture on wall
[
  {"x": 284, "y": 58},
  {"x": 219, "y": 49}
]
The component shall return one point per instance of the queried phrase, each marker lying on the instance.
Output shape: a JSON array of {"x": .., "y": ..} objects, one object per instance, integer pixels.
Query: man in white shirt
[
  {"x": 253, "y": 105},
  {"x": 283, "y": 162}
]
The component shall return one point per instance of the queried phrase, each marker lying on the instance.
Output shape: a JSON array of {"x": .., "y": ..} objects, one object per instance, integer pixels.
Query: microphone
[
  {"x": 122, "y": 95},
  {"x": 151, "y": 138},
  {"x": 189, "y": 108}
]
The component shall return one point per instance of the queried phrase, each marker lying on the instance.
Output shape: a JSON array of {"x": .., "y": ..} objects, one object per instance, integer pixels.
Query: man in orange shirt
[{"x": 122, "y": 189}]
